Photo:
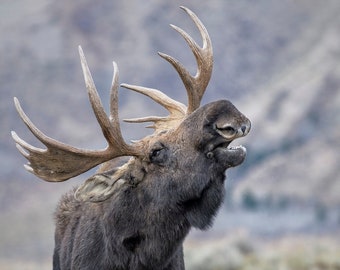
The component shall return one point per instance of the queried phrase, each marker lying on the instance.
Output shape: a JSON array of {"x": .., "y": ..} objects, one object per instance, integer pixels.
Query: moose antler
[
  {"x": 195, "y": 85},
  {"x": 60, "y": 161}
]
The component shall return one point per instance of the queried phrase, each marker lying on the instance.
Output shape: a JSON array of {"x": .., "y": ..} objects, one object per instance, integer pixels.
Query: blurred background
[{"x": 279, "y": 63}]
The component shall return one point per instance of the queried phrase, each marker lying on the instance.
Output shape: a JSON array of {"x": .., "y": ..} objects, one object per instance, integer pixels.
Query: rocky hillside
[{"x": 294, "y": 146}]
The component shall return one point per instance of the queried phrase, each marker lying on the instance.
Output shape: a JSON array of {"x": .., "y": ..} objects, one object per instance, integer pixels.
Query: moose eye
[{"x": 158, "y": 155}]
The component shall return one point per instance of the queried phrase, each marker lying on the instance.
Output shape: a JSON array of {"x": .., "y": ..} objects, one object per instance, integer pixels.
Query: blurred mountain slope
[{"x": 296, "y": 138}]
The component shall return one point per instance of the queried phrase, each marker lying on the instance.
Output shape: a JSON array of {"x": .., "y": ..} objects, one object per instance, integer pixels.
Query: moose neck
[{"x": 150, "y": 231}]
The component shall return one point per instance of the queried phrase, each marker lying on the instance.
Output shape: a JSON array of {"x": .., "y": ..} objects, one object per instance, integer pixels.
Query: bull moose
[{"x": 137, "y": 215}]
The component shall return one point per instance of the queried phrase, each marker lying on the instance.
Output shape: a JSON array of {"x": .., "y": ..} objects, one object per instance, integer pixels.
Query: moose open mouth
[{"x": 229, "y": 155}]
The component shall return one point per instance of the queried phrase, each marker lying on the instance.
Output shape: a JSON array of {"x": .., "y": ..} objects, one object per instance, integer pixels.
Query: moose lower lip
[{"x": 231, "y": 156}]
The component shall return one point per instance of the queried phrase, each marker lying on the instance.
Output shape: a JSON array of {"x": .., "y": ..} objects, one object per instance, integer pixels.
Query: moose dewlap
[{"x": 136, "y": 216}]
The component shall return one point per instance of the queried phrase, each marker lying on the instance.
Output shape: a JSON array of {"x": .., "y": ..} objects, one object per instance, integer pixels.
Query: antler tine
[
  {"x": 59, "y": 161},
  {"x": 110, "y": 126},
  {"x": 114, "y": 115},
  {"x": 176, "y": 109},
  {"x": 195, "y": 85}
]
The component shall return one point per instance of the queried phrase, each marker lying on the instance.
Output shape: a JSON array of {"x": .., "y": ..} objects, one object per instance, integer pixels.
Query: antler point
[
  {"x": 28, "y": 168},
  {"x": 13, "y": 134}
]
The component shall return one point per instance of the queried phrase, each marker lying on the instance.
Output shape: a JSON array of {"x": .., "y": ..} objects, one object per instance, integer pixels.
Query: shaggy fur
[{"x": 136, "y": 216}]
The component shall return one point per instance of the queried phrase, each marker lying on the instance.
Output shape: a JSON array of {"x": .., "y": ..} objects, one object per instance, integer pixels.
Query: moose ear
[{"x": 97, "y": 188}]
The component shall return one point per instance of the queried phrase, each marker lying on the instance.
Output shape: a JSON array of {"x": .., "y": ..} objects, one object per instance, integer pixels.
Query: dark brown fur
[{"x": 154, "y": 200}]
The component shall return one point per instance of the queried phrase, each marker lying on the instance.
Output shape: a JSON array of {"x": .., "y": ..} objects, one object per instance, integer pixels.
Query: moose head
[{"x": 136, "y": 216}]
